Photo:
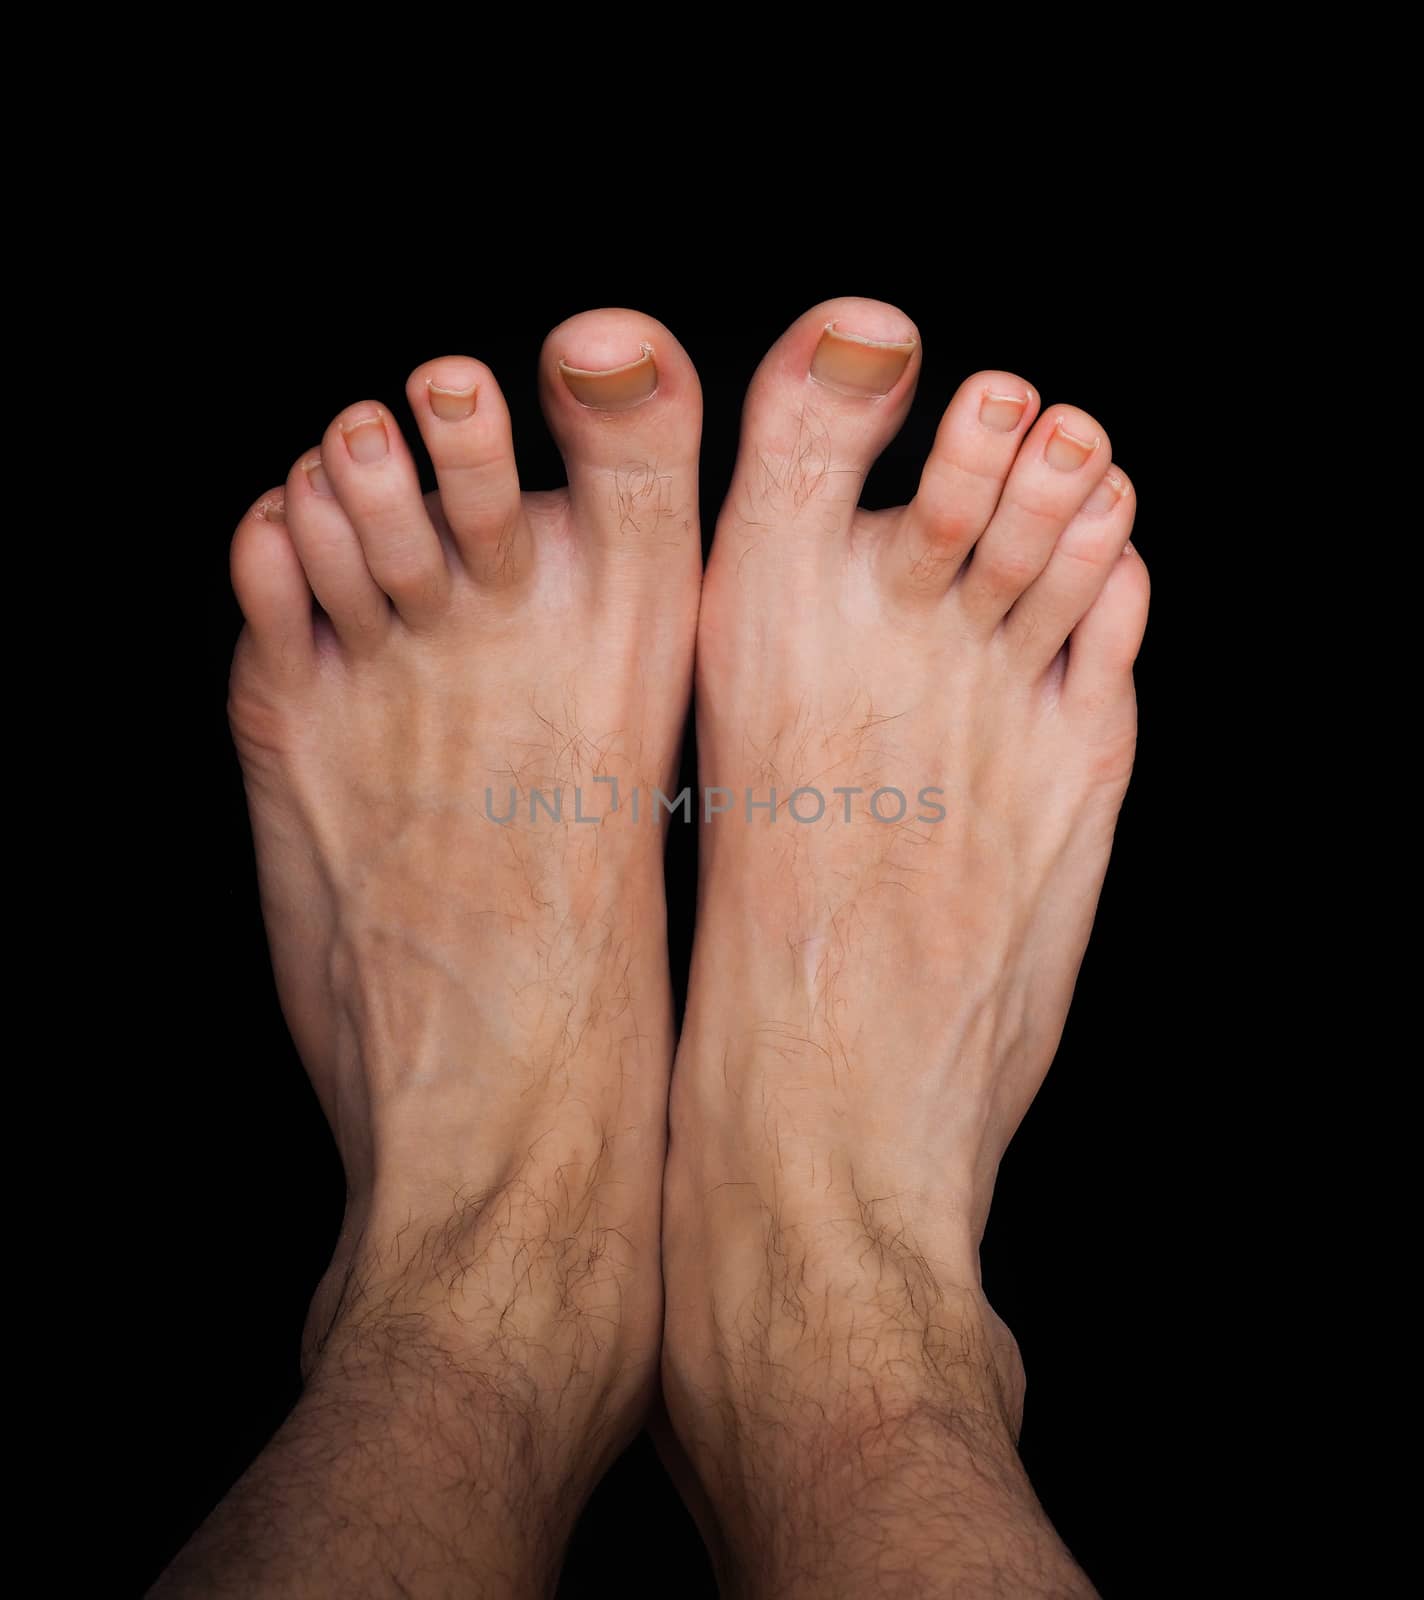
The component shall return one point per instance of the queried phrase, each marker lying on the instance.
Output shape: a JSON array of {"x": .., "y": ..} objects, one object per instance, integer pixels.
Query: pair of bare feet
[{"x": 545, "y": 1218}]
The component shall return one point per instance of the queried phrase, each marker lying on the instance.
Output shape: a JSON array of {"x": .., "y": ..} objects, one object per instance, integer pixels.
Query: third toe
[
  {"x": 1086, "y": 554},
  {"x": 1057, "y": 467},
  {"x": 371, "y": 472}
]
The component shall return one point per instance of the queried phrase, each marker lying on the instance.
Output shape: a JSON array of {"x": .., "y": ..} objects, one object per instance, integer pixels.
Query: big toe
[
  {"x": 623, "y": 402},
  {"x": 826, "y": 400}
]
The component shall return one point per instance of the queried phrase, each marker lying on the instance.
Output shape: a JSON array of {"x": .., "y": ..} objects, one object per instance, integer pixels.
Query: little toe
[
  {"x": 369, "y": 467},
  {"x": 464, "y": 422},
  {"x": 1104, "y": 645},
  {"x": 1058, "y": 466},
  {"x": 271, "y": 587}
]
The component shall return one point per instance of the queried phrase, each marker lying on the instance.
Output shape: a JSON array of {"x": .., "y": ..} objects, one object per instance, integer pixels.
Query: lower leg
[
  {"x": 468, "y": 1380},
  {"x": 847, "y": 1398}
]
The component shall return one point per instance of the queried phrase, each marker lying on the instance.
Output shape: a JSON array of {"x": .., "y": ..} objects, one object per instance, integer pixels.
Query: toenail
[
  {"x": 1066, "y": 451},
  {"x": 273, "y": 508},
  {"x": 1106, "y": 495},
  {"x": 613, "y": 388},
  {"x": 452, "y": 405},
  {"x": 1002, "y": 412},
  {"x": 316, "y": 476},
  {"x": 852, "y": 365},
  {"x": 366, "y": 438}
]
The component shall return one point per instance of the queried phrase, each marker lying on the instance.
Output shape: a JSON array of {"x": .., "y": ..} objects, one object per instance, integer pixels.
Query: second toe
[{"x": 1059, "y": 464}]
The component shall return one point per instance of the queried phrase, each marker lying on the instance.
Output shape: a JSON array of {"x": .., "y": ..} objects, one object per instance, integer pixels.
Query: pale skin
[{"x": 545, "y": 1218}]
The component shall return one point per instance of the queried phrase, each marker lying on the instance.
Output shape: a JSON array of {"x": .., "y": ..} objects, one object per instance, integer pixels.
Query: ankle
[
  {"x": 540, "y": 1275},
  {"x": 793, "y": 1291},
  {"x": 820, "y": 1431},
  {"x": 867, "y": 1342}
]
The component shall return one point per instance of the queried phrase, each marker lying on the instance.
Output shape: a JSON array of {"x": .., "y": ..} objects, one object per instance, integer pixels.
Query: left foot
[{"x": 483, "y": 1005}]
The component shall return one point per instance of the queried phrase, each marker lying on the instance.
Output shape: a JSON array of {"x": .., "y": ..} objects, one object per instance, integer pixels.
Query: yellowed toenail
[
  {"x": 273, "y": 508},
  {"x": 451, "y": 405},
  {"x": 1002, "y": 412},
  {"x": 851, "y": 364},
  {"x": 1106, "y": 495},
  {"x": 316, "y": 476},
  {"x": 1066, "y": 451},
  {"x": 613, "y": 388},
  {"x": 366, "y": 438}
]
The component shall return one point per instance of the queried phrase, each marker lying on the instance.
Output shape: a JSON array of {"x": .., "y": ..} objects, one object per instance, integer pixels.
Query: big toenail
[
  {"x": 1002, "y": 412},
  {"x": 613, "y": 388},
  {"x": 852, "y": 365},
  {"x": 451, "y": 405},
  {"x": 1066, "y": 451},
  {"x": 1106, "y": 495},
  {"x": 366, "y": 438},
  {"x": 316, "y": 476}
]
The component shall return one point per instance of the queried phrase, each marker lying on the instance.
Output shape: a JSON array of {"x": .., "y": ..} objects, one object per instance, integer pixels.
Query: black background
[{"x": 1106, "y": 1211}]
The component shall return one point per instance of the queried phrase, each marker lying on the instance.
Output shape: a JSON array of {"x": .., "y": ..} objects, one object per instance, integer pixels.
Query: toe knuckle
[
  {"x": 1011, "y": 569},
  {"x": 1049, "y": 503}
]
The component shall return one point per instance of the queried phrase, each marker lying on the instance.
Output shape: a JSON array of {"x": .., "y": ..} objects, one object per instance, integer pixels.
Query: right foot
[
  {"x": 484, "y": 1009},
  {"x": 875, "y": 1001}
]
